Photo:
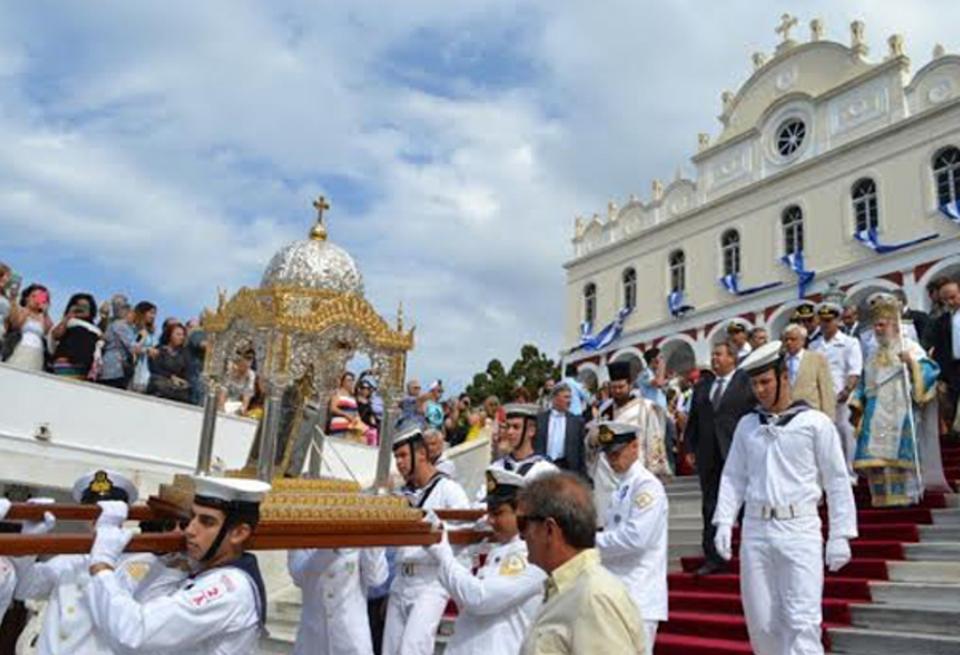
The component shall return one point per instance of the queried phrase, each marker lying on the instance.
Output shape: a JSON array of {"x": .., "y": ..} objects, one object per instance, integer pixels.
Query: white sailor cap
[
  {"x": 737, "y": 325},
  {"x": 408, "y": 436},
  {"x": 502, "y": 485},
  {"x": 521, "y": 410},
  {"x": 104, "y": 484},
  {"x": 436, "y": 384},
  {"x": 614, "y": 433},
  {"x": 219, "y": 491},
  {"x": 763, "y": 358}
]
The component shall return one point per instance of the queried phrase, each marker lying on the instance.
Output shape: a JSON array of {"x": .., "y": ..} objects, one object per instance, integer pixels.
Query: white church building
[{"x": 848, "y": 162}]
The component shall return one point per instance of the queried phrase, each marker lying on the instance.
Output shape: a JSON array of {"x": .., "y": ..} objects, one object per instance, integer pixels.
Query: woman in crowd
[
  {"x": 124, "y": 343},
  {"x": 6, "y": 276},
  {"x": 344, "y": 420},
  {"x": 76, "y": 338},
  {"x": 240, "y": 385},
  {"x": 169, "y": 369},
  {"x": 367, "y": 412},
  {"x": 145, "y": 319},
  {"x": 31, "y": 320}
]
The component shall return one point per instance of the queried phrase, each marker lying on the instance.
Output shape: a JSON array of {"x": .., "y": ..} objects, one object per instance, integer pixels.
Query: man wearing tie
[
  {"x": 560, "y": 434},
  {"x": 715, "y": 410}
]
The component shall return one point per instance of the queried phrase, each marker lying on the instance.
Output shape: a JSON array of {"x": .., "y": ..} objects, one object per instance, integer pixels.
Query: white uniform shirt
[
  {"x": 782, "y": 465},
  {"x": 844, "y": 357},
  {"x": 8, "y": 582},
  {"x": 446, "y": 466},
  {"x": 215, "y": 613},
  {"x": 633, "y": 543},
  {"x": 62, "y": 581},
  {"x": 334, "y": 583},
  {"x": 415, "y": 565},
  {"x": 497, "y": 605}
]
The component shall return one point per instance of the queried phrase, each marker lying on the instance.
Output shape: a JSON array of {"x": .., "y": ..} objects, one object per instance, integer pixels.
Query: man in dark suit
[
  {"x": 715, "y": 410},
  {"x": 560, "y": 434},
  {"x": 944, "y": 341},
  {"x": 919, "y": 319}
]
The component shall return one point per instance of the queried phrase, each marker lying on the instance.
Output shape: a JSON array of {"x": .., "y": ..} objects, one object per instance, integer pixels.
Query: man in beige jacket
[
  {"x": 809, "y": 372},
  {"x": 586, "y": 609}
]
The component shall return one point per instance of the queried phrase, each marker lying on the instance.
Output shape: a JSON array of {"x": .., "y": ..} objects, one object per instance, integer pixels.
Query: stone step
[
  {"x": 684, "y": 550},
  {"x": 909, "y": 571},
  {"x": 932, "y": 552},
  {"x": 946, "y": 516},
  {"x": 952, "y": 500},
  {"x": 905, "y": 618},
  {"x": 684, "y": 535},
  {"x": 916, "y": 594},
  {"x": 685, "y": 521},
  {"x": 865, "y": 641},
  {"x": 939, "y": 533}
]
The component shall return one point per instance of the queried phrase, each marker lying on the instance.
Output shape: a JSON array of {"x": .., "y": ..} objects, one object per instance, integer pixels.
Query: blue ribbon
[
  {"x": 732, "y": 284},
  {"x": 606, "y": 336},
  {"x": 794, "y": 262},
  {"x": 870, "y": 239},
  {"x": 676, "y": 305},
  {"x": 952, "y": 211}
]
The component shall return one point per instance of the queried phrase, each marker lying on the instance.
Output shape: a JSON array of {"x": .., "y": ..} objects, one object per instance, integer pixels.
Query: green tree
[{"x": 529, "y": 371}]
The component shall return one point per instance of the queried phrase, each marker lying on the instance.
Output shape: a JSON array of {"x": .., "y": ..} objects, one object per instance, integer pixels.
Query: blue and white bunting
[
  {"x": 871, "y": 240},
  {"x": 676, "y": 305},
  {"x": 732, "y": 284},
  {"x": 952, "y": 211},
  {"x": 794, "y": 262},
  {"x": 607, "y": 335}
]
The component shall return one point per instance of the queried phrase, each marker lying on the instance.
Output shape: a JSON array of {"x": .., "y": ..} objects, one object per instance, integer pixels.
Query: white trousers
[
  {"x": 413, "y": 616},
  {"x": 781, "y": 582},
  {"x": 847, "y": 437},
  {"x": 651, "y": 629}
]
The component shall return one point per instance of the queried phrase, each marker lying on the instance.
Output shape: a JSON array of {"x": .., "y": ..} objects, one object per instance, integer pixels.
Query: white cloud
[{"x": 168, "y": 148}]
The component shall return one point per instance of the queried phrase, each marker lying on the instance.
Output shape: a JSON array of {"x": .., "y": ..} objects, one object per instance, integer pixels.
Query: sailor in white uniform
[
  {"x": 335, "y": 583},
  {"x": 845, "y": 359},
  {"x": 8, "y": 575},
  {"x": 633, "y": 543},
  {"x": 67, "y": 625},
  {"x": 784, "y": 456},
  {"x": 417, "y": 599},
  {"x": 519, "y": 430},
  {"x": 497, "y": 605},
  {"x": 220, "y": 610}
]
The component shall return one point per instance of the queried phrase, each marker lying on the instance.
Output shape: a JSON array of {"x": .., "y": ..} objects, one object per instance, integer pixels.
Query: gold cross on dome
[
  {"x": 321, "y": 205},
  {"x": 787, "y": 23}
]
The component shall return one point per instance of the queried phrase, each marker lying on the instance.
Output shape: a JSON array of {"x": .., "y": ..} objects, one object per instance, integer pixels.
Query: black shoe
[{"x": 710, "y": 568}]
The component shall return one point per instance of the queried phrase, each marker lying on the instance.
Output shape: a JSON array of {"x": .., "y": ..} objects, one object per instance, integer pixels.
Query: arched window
[
  {"x": 590, "y": 303},
  {"x": 678, "y": 271},
  {"x": 629, "y": 288},
  {"x": 792, "y": 221},
  {"x": 946, "y": 173},
  {"x": 866, "y": 214},
  {"x": 730, "y": 251}
]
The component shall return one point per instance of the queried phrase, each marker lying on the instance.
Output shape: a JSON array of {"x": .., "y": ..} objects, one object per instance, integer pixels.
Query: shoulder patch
[
  {"x": 137, "y": 571},
  {"x": 513, "y": 565},
  {"x": 644, "y": 499}
]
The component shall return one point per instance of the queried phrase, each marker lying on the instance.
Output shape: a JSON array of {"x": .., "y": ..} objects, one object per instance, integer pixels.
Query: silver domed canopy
[{"x": 314, "y": 263}]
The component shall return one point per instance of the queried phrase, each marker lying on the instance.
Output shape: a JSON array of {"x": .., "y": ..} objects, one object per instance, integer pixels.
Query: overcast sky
[{"x": 164, "y": 149}]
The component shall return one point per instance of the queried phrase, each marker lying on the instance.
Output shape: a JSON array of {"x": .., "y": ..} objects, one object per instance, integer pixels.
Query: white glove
[
  {"x": 4, "y": 508},
  {"x": 838, "y": 554},
  {"x": 109, "y": 545},
  {"x": 40, "y": 527},
  {"x": 723, "y": 541},
  {"x": 441, "y": 550},
  {"x": 112, "y": 513},
  {"x": 431, "y": 517}
]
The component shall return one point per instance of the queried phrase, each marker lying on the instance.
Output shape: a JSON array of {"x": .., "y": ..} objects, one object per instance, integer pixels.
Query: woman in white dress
[{"x": 30, "y": 318}]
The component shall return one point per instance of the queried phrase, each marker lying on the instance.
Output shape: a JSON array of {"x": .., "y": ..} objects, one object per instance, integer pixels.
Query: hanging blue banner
[
  {"x": 794, "y": 262},
  {"x": 676, "y": 306},
  {"x": 732, "y": 284},
  {"x": 870, "y": 239},
  {"x": 606, "y": 336},
  {"x": 952, "y": 211}
]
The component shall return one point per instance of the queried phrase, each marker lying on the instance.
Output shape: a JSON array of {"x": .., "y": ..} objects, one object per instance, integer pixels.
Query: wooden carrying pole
[
  {"x": 76, "y": 512},
  {"x": 15, "y": 545}
]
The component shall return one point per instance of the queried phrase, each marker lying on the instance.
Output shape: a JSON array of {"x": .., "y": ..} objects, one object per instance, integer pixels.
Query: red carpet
[{"x": 706, "y": 613}]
